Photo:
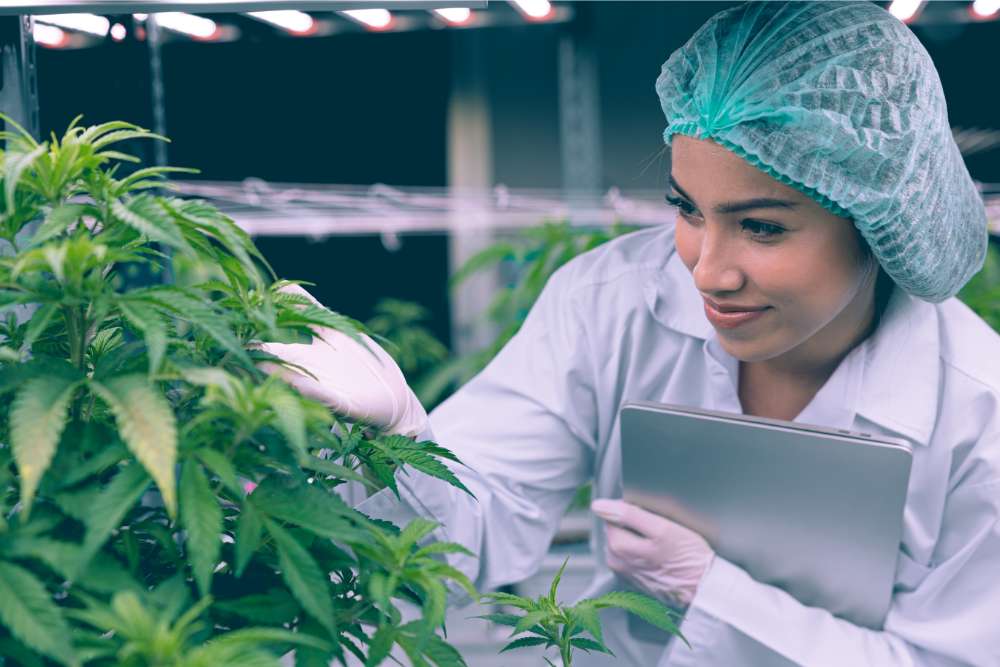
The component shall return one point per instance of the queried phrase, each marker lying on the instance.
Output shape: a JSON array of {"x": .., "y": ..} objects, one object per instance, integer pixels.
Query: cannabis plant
[
  {"x": 546, "y": 622},
  {"x": 162, "y": 501}
]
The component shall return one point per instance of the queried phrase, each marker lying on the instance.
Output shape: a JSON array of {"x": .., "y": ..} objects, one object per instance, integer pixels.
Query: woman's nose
[{"x": 717, "y": 268}]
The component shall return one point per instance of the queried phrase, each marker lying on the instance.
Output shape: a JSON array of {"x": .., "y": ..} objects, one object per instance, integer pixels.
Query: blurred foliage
[
  {"x": 399, "y": 327},
  {"x": 982, "y": 293},
  {"x": 527, "y": 259}
]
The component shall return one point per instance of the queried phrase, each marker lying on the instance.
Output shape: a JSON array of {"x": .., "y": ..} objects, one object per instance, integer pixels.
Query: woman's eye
[
  {"x": 682, "y": 205},
  {"x": 761, "y": 230}
]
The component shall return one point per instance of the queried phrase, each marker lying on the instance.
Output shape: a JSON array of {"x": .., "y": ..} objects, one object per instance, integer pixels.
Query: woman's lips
[{"x": 733, "y": 319}]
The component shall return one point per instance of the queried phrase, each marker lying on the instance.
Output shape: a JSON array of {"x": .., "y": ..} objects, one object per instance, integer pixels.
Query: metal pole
[{"x": 18, "y": 73}]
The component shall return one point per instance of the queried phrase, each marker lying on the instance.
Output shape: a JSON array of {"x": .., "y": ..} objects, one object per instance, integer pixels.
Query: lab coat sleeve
[
  {"x": 946, "y": 615},
  {"x": 524, "y": 428}
]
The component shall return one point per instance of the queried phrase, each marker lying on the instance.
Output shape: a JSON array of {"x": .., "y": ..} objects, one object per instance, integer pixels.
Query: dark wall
[{"x": 349, "y": 109}]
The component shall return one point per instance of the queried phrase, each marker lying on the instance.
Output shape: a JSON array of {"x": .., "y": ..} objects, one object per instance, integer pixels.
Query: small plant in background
[
  {"x": 530, "y": 258},
  {"x": 982, "y": 293},
  {"x": 545, "y": 622},
  {"x": 401, "y": 326}
]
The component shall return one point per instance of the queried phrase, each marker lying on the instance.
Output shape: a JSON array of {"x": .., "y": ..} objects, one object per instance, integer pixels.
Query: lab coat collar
[
  {"x": 902, "y": 369},
  {"x": 897, "y": 386}
]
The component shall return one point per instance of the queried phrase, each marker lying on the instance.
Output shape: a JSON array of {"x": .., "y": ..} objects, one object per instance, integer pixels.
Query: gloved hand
[
  {"x": 661, "y": 557},
  {"x": 362, "y": 384}
]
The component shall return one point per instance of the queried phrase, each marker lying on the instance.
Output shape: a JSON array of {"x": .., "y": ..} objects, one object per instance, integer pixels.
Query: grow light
[
  {"x": 986, "y": 8},
  {"x": 198, "y": 27},
  {"x": 905, "y": 10},
  {"x": 534, "y": 9},
  {"x": 48, "y": 35},
  {"x": 292, "y": 20},
  {"x": 455, "y": 15},
  {"x": 89, "y": 23},
  {"x": 378, "y": 19}
]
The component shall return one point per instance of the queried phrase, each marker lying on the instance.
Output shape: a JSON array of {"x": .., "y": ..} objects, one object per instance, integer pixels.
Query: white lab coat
[{"x": 625, "y": 322}]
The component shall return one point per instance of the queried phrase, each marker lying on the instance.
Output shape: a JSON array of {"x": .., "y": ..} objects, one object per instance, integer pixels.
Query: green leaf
[
  {"x": 147, "y": 426},
  {"x": 252, "y": 636},
  {"x": 529, "y": 620},
  {"x": 509, "y": 600},
  {"x": 308, "y": 583},
  {"x": 37, "y": 419},
  {"x": 222, "y": 468},
  {"x": 110, "y": 506},
  {"x": 59, "y": 555},
  {"x": 642, "y": 606},
  {"x": 320, "y": 512},
  {"x": 380, "y": 645},
  {"x": 148, "y": 218},
  {"x": 146, "y": 319},
  {"x": 290, "y": 418},
  {"x": 275, "y": 607},
  {"x": 201, "y": 516},
  {"x": 31, "y": 616},
  {"x": 57, "y": 221},
  {"x": 525, "y": 642},
  {"x": 556, "y": 580},
  {"x": 585, "y": 616},
  {"x": 200, "y": 314},
  {"x": 589, "y": 645},
  {"x": 14, "y": 166},
  {"x": 38, "y": 323},
  {"x": 248, "y": 534},
  {"x": 417, "y": 456}
]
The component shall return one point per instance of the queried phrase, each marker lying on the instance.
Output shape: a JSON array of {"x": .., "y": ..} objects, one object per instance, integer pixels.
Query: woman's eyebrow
[{"x": 746, "y": 205}]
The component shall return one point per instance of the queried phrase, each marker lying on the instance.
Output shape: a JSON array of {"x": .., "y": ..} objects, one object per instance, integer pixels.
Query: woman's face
[{"x": 753, "y": 243}]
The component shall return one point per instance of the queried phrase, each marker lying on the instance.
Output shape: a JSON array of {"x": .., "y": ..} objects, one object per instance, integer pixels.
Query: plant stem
[{"x": 567, "y": 654}]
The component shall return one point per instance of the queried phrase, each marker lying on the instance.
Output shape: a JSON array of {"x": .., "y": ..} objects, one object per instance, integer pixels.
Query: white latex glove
[
  {"x": 361, "y": 384},
  {"x": 661, "y": 557}
]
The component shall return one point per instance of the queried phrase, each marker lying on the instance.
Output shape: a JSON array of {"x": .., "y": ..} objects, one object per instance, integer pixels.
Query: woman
[{"x": 825, "y": 221}]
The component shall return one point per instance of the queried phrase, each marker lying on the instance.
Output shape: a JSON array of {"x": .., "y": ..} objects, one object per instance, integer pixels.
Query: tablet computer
[{"x": 815, "y": 511}]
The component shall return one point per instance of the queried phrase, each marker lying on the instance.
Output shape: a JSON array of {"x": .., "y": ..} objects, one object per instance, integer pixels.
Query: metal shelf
[{"x": 217, "y": 6}]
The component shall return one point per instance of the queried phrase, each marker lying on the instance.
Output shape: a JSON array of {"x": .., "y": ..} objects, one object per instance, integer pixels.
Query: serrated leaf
[
  {"x": 198, "y": 313},
  {"x": 380, "y": 645},
  {"x": 589, "y": 645},
  {"x": 57, "y": 221},
  {"x": 28, "y": 612},
  {"x": 248, "y": 534},
  {"x": 37, "y": 419},
  {"x": 529, "y": 620},
  {"x": 147, "y": 425},
  {"x": 509, "y": 600},
  {"x": 314, "y": 509},
  {"x": 148, "y": 218},
  {"x": 106, "y": 511},
  {"x": 525, "y": 642},
  {"x": 221, "y": 467},
  {"x": 644, "y": 607},
  {"x": 61, "y": 556},
  {"x": 413, "y": 454},
  {"x": 307, "y": 582},
  {"x": 146, "y": 319},
  {"x": 201, "y": 516},
  {"x": 586, "y": 617},
  {"x": 275, "y": 607},
  {"x": 290, "y": 419}
]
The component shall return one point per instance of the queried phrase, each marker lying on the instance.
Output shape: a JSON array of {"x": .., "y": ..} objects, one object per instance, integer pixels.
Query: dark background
[{"x": 365, "y": 108}]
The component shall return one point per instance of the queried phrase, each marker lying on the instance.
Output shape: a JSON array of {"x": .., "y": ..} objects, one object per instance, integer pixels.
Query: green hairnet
[{"x": 840, "y": 101}]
